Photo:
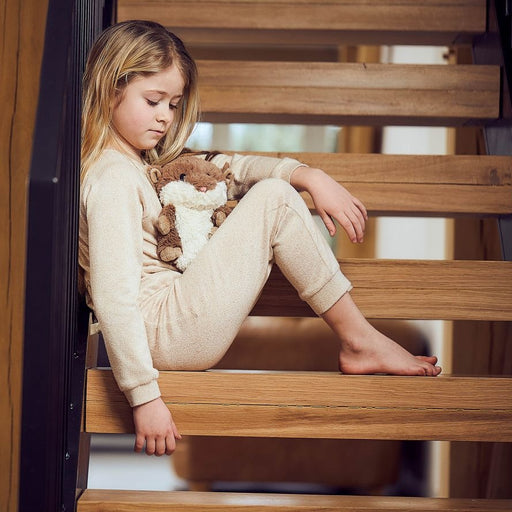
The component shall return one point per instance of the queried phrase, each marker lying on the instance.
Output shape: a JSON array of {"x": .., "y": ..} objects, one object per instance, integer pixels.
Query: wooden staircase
[{"x": 329, "y": 405}]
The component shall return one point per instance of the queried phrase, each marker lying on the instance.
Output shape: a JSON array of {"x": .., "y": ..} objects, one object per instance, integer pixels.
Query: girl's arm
[
  {"x": 114, "y": 227},
  {"x": 332, "y": 201},
  {"x": 246, "y": 170}
]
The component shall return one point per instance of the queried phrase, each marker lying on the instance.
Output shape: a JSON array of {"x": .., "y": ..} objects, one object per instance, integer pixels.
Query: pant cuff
[{"x": 330, "y": 293}]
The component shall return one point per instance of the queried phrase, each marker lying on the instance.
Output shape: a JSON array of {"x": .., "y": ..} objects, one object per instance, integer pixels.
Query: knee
[{"x": 274, "y": 188}]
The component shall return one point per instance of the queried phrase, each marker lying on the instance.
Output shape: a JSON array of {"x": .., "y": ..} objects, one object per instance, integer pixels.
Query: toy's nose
[{"x": 202, "y": 189}]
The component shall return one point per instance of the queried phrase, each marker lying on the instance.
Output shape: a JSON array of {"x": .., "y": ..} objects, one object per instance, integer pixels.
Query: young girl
[{"x": 140, "y": 106}]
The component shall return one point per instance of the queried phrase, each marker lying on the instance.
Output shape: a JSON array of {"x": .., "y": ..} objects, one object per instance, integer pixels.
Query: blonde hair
[{"x": 122, "y": 52}]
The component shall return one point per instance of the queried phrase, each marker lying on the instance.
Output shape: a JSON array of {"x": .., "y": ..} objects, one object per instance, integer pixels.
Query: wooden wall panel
[{"x": 22, "y": 24}]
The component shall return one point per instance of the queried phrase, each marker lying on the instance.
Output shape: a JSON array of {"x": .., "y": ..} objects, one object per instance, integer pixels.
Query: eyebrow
[{"x": 164, "y": 93}]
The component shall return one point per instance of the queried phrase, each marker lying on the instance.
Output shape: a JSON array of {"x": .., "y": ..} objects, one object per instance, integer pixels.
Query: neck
[{"x": 126, "y": 150}]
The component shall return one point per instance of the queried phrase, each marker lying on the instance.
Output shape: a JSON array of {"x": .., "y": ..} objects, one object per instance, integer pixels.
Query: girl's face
[{"x": 143, "y": 112}]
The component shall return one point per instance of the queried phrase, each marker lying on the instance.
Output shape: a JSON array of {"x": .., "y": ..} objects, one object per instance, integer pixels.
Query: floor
[{"x": 114, "y": 465}]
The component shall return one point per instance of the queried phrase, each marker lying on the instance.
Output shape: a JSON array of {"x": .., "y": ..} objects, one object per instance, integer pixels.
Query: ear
[
  {"x": 228, "y": 176},
  {"x": 155, "y": 174}
]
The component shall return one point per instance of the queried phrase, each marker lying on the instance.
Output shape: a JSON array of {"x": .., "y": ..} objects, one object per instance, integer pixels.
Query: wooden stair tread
[
  {"x": 409, "y": 289},
  {"x": 420, "y": 184},
  {"x": 347, "y": 93},
  {"x": 96, "y": 500},
  {"x": 288, "y": 22},
  {"x": 318, "y": 405}
]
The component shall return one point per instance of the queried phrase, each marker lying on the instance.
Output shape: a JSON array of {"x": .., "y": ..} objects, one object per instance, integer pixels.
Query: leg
[
  {"x": 365, "y": 350},
  {"x": 206, "y": 306},
  {"x": 192, "y": 322}
]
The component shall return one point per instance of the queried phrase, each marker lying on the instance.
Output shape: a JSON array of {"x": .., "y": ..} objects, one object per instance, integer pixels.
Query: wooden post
[
  {"x": 479, "y": 348},
  {"x": 23, "y": 30}
]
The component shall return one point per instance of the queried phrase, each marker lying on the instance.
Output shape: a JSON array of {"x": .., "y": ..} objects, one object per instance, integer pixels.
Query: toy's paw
[
  {"x": 170, "y": 253},
  {"x": 163, "y": 224},
  {"x": 220, "y": 217}
]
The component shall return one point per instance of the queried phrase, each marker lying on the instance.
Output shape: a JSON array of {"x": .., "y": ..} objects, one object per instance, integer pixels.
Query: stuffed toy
[{"x": 193, "y": 194}]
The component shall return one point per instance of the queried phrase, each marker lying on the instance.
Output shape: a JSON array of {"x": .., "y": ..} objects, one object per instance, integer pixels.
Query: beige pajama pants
[{"x": 193, "y": 319}]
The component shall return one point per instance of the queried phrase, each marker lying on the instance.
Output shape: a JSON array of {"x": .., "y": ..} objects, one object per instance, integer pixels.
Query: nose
[{"x": 164, "y": 114}]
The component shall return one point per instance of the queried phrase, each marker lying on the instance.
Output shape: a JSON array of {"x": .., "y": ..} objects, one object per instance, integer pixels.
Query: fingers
[
  {"x": 170, "y": 444},
  {"x": 361, "y": 207},
  {"x": 353, "y": 222},
  {"x": 329, "y": 224},
  {"x": 139, "y": 443},
  {"x": 177, "y": 435},
  {"x": 157, "y": 446}
]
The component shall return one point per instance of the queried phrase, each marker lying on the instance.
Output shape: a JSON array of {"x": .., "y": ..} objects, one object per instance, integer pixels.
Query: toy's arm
[
  {"x": 166, "y": 219},
  {"x": 220, "y": 214}
]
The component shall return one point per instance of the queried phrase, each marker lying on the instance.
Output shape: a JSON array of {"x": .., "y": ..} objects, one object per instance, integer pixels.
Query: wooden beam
[
  {"x": 97, "y": 500},
  {"x": 420, "y": 184},
  {"x": 410, "y": 289},
  {"x": 421, "y": 169},
  {"x": 348, "y": 93},
  {"x": 319, "y": 405},
  {"x": 321, "y": 22}
]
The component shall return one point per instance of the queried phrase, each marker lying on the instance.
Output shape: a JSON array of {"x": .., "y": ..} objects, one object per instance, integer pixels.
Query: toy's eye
[{"x": 182, "y": 177}]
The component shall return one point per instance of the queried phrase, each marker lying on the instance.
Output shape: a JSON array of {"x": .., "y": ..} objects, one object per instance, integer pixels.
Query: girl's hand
[
  {"x": 154, "y": 426},
  {"x": 332, "y": 201}
]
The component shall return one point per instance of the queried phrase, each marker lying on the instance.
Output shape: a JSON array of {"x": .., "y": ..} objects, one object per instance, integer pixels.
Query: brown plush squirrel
[{"x": 193, "y": 193}]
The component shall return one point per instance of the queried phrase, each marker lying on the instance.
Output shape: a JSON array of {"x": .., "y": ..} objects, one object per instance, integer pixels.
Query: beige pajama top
[{"x": 117, "y": 250}]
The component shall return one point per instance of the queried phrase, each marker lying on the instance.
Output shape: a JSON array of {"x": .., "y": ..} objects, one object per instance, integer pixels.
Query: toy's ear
[
  {"x": 154, "y": 174},
  {"x": 226, "y": 173}
]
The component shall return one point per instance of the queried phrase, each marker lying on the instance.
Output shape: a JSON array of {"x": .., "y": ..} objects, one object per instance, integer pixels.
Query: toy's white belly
[{"x": 194, "y": 227}]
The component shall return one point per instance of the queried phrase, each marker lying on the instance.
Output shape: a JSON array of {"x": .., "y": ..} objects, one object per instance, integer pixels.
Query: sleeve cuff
[
  {"x": 142, "y": 394},
  {"x": 286, "y": 167}
]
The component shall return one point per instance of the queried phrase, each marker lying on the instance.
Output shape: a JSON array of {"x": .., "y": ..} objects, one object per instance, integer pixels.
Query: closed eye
[{"x": 151, "y": 103}]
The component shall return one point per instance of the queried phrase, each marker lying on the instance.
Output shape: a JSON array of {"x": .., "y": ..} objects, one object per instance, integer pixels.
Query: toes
[{"x": 428, "y": 359}]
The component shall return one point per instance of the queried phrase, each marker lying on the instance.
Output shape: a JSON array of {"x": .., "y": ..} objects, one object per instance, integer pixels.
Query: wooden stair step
[
  {"x": 316, "y": 405},
  {"x": 288, "y": 22},
  {"x": 96, "y": 500},
  {"x": 420, "y": 184},
  {"x": 409, "y": 289},
  {"x": 348, "y": 93}
]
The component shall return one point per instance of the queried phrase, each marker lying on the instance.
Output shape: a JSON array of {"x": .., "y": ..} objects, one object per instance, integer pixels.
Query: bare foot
[
  {"x": 364, "y": 350},
  {"x": 379, "y": 354}
]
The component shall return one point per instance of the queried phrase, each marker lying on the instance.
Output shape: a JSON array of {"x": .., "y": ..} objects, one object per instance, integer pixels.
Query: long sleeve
[
  {"x": 114, "y": 211},
  {"x": 249, "y": 169}
]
